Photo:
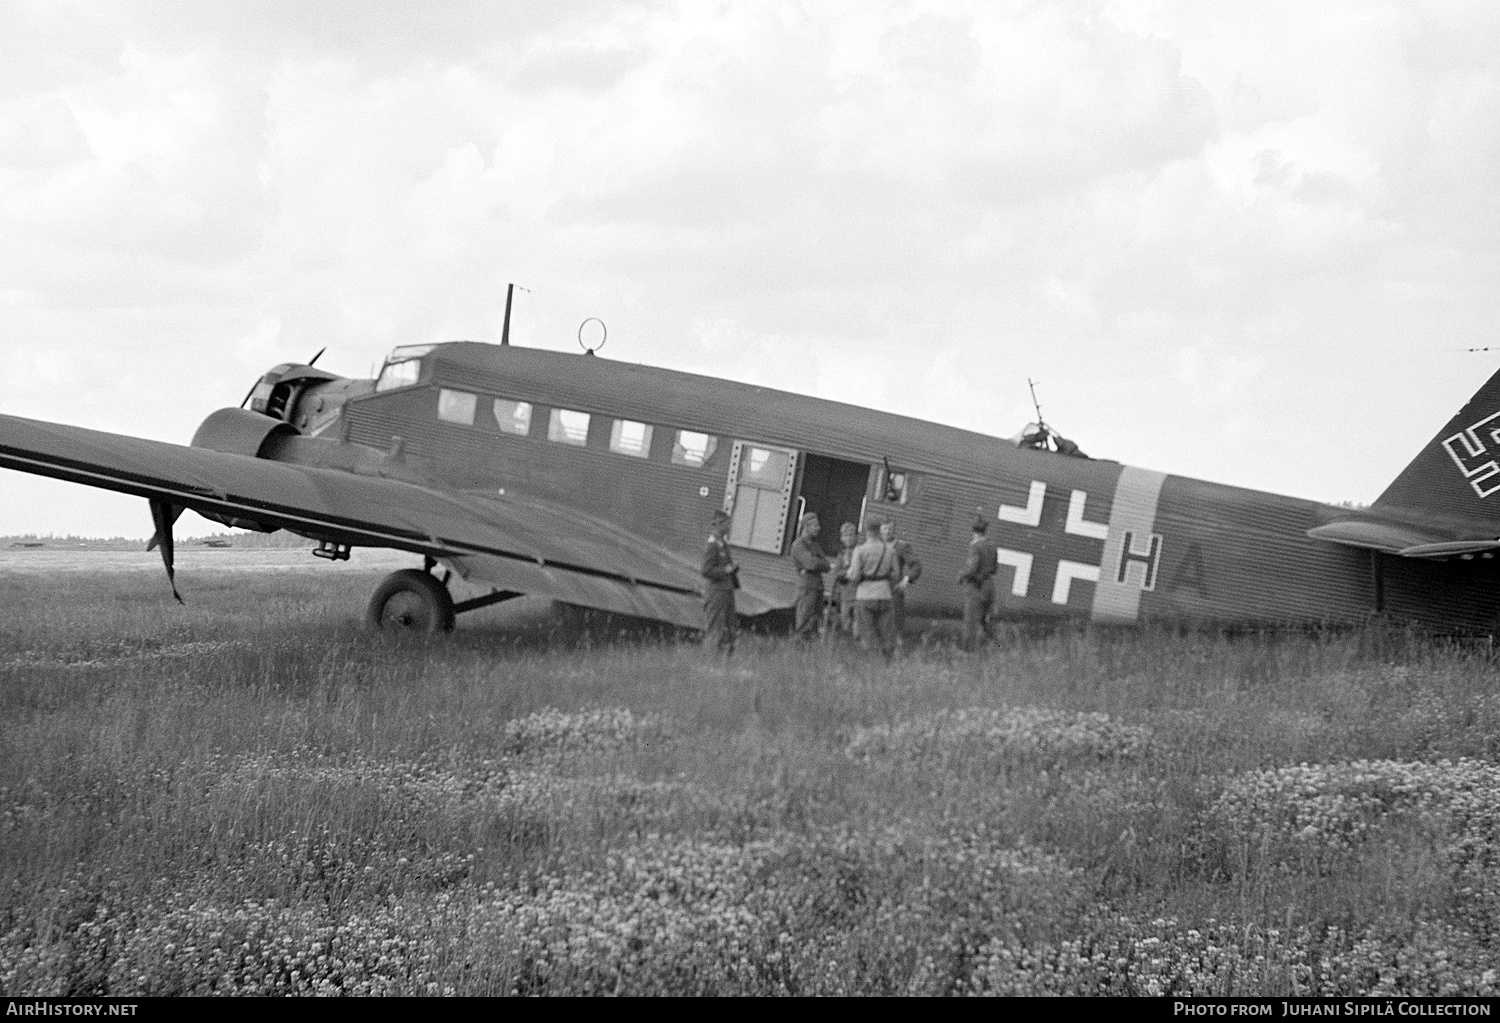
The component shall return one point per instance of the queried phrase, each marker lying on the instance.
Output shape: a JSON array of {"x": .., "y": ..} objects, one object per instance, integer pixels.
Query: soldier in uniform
[
  {"x": 978, "y": 580},
  {"x": 872, "y": 568},
  {"x": 908, "y": 571},
  {"x": 722, "y": 575},
  {"x": 843, "y": 590},
  {"x": 811, "y": 563}
]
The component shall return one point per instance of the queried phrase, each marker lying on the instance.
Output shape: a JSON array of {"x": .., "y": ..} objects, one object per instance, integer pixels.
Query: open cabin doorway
[{"x": 835, "y": 489}]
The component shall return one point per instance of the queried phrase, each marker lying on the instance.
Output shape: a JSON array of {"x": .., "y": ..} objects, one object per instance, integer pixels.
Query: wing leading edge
[{"x": 516, "y": 543}]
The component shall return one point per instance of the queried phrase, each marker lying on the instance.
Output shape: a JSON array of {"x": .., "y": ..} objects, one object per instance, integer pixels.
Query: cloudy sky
[{"x": 1244, "y": 242}]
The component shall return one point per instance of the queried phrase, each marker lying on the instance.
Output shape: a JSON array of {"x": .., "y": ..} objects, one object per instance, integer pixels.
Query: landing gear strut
[{"x": 412, "y": 603}]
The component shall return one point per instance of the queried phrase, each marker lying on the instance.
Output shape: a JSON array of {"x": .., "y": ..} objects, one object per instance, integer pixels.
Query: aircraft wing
[
  {"x": 513, "y": 543},
  {"x": 597, "y": 541},
  {"x": 1400, "y": 539}
]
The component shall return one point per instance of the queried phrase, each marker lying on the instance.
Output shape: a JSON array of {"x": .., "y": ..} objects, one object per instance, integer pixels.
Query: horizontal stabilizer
[
  {"x": 1400, "y": 540},
  {"x": 1454, "y": 548},
  {"x": 1375, "y": 536}
]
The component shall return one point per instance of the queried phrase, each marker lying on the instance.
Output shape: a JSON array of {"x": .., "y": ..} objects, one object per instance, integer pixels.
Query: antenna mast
[
  {"x": 1040, "y": 422},
  {"x": 510, "y": 290}
]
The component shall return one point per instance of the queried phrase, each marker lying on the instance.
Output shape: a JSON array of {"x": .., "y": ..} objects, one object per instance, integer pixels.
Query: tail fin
[{"x": 1457, "y": 474}]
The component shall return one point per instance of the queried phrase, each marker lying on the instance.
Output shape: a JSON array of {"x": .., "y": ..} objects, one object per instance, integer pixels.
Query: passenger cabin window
[
  {"x": 630, "y": 438},
  {"x": 513, "y": 416},
  {"x": 399, "y": 374},
  {"x": 457, "y": 406},
  {"x": 567, "y": 427},
  {"x": 693, "y": 448}
]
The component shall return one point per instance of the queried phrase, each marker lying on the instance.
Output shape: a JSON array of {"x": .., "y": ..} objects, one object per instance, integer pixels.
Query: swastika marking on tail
[{"x": 1473, "y": 457}]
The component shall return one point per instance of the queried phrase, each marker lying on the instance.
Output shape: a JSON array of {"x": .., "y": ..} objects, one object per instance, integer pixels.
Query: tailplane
[{"x": 1457, "y": 474}]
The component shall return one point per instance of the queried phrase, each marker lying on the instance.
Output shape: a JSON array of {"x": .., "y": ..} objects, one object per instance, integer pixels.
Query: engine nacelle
[{"x": 238, "y": 431}]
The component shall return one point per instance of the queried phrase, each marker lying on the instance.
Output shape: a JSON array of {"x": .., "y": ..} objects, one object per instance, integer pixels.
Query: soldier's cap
[
  {"x": 848, "y": 527},
  {"x": 719, "y": 517},
  {"x": 807, "y": 519},
  {"x": 873, "y": 525},
  {"x": 980, "y": 524}
]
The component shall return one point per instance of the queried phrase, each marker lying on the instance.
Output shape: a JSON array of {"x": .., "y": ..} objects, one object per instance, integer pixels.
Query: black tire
[{"x": 411, "y": 603}]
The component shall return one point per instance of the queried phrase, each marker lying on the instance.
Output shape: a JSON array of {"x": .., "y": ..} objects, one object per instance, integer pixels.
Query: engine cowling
[
  {"x": 238, "y": 431},
  {"x": 278, "y": 390}
]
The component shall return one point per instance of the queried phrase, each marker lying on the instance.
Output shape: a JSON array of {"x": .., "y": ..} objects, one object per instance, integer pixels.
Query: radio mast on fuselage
[{"x": 510, "y": 290}]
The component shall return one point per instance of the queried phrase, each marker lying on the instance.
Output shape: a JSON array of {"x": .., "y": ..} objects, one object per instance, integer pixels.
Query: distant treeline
[{"x": 280, "y": 540}]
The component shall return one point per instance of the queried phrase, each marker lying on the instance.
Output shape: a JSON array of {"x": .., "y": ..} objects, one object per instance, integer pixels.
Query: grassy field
[{"x": 252, "y": 795}]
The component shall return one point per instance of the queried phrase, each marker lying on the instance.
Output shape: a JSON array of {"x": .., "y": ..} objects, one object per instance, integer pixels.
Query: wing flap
[
  {"x": 588, "y": 591},
  {"x": 604, "y": 593}
]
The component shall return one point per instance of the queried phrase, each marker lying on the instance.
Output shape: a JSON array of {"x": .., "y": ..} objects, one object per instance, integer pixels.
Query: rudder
[{"x": 1456, "y": 475}]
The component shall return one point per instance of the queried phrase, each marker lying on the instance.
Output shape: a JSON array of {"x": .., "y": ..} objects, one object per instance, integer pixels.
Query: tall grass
[{"x": 252, "y": 795}]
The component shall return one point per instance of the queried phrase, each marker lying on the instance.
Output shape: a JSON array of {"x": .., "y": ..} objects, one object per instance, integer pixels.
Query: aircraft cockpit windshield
[{"x": 402, "y": 367}]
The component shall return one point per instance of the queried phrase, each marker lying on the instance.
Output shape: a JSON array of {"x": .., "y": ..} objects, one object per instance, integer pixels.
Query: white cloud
[
  {"x": 919, "y": 204},
  {"x": 1215, "y": 378}
]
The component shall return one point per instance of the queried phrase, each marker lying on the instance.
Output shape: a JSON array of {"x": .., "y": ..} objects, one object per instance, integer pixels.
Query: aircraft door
[
  {"x": 835, "y": 489},
  {"x": 759, "y": 495}
]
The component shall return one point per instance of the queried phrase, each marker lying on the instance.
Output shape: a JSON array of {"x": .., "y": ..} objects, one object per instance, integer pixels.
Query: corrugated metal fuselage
[{"x": 1082, "y": 537}]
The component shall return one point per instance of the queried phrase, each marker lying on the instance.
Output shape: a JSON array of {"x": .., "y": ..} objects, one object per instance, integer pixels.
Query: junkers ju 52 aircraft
[{"x": 592, "y": 482}]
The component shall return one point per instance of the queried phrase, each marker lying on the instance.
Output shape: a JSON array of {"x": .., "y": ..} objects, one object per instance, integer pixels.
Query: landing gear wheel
[{"x": 411, "y": 603}]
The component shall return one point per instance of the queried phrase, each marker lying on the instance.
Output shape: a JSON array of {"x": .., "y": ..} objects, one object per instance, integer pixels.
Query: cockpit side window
[
  {"x": 409, "y": 352},
  {"x": 399, "y": 374},
  {"x": 403, "y": 367}
]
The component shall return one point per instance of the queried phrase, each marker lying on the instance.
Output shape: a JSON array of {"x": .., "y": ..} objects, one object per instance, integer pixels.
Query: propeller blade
[{"x": 164, "y": 515}]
